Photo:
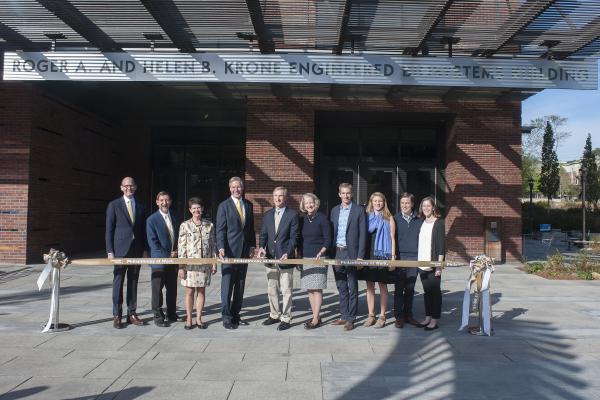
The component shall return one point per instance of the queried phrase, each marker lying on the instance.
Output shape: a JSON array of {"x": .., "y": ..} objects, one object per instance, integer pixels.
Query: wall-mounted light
[
  {"x": 54, "y": 36},
  {"x": 153, "y": 37}
]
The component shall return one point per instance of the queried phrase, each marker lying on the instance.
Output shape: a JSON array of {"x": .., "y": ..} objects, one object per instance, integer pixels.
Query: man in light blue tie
[
  {"x": 350, "y": 235},
  {"x": 278, "y": 238}
]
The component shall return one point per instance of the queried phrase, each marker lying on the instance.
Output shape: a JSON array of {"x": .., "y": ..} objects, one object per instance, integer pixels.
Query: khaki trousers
[{"x": 280, "y": 282}]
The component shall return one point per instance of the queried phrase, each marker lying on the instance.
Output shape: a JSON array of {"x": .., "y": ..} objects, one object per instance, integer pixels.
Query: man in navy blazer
[
  {"x": 235, "y": 239},
  {"x": 162, "y": 229},
  {"x": 125, "y": 237},
  {"x": 278, "y": 238},
  {"x": 350, "y": 236}
]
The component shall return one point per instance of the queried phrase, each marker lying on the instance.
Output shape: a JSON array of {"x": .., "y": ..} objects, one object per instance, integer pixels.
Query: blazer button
[{"x": 274, "y": 241}]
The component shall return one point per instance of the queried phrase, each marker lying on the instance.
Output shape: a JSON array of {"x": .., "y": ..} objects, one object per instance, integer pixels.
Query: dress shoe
[
  {"x": 283, "y": 326},
  {"x": 188, "y": 327},
  {"x": 411, "y": 321},
  {"x": 117, "y": 323},
  {"x": 174, "y": 318},
  {"x": 399, "y": 323},
  {"x": 349, "y": 325},
  {"x": 133, "y": 319},
  {"x": 433, "y": 328},
  {"x": 339, "y": 322},
  {"x": 161, "y": 322},
  {"x": 229, "y": 325},
  {"x": 239, "y": 321},
  {"x": 270, "y": 321}
]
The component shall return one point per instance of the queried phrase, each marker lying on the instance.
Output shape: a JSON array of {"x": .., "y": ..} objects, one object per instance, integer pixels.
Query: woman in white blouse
[{"x": 432, "y": 247}]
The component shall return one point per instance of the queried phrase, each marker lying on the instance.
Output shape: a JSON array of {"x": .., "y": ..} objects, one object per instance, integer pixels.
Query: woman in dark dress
[
  {"x": 315, "y": 239},
  {"x": 382, "y": 231}
]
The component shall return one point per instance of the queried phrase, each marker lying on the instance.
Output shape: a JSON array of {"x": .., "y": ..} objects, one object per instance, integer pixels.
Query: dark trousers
[
  {"x": 404, "y": 292},
  {"x": 433, "y": 293},
  {"x": 119, "y": 273},
  {"x": 347, "y": 285},
  {"x": 233, "y": 281},
  {"x": 164, "y": 277}
]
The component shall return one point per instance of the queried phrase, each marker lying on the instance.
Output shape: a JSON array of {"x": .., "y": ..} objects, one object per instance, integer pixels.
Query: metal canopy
[{"x": 474, "y": 28}]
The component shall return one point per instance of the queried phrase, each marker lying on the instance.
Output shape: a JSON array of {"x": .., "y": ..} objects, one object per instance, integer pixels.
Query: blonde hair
[
  {"x": 312, "y": 196},
  {"x": 385, "y": 211}
]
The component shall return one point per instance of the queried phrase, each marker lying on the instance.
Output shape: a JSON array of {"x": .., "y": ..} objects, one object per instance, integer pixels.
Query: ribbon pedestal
[
  {"x": 481, "y": 271},
  {"x": 55, "y": 261}
]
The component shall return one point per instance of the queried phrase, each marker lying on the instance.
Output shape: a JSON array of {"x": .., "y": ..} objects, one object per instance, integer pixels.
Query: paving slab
[
  {"x": 160, "y": 370},
  {"x": 268, "y": 371},
  {"x": 285, "y": 390},
  {"x": 45, "y": 388}
]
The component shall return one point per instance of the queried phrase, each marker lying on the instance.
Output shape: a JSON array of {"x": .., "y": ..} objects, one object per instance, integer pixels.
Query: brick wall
[
  {"x": 483, "y": 157},
  {"x": 70, "y": 164},
  {"x": 279, "y": 151},
  {"x": 15, "y": 139}
]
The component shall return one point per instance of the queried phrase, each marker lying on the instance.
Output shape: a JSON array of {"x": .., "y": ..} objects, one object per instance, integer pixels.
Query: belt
[{"x": 341, "y": 247}]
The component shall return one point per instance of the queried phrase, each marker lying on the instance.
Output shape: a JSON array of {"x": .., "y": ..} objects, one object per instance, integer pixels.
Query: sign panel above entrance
[{"x": 301, "y": 68}]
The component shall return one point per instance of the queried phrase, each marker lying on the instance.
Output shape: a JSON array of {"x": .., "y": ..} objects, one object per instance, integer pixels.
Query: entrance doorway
[
  {"x": 189, "y": 162},
  {"x": 378, "y": 153}
]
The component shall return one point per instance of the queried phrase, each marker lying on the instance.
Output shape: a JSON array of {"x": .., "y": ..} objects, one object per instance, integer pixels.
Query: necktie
[
  {"x": 130, "y": 211},
  {"x": 238, "y": 205},
  {"x": 277, "y": 220},
  {"x": 170, "y": 229}
]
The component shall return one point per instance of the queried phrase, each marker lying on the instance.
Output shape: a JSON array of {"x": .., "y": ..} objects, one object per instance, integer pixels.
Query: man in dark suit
[
  {"x": 350, "y": 237},
  {"x": 235, "y": 238},
  {"x": 162, "y": 229},
  {"x": 278, "y": 238},
  {"x": 125, "y": 237},
  {"x": 408, "y": 226}
]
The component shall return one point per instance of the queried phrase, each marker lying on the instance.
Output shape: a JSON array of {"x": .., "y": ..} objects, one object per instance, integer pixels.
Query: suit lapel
[{"x": 350, "y": 217}]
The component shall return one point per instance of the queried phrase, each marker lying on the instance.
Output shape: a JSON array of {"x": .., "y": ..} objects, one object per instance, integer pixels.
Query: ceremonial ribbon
[
  {"x": 55, "y": 261},
  {"x": 302, "y": 261},
  {"x": 481, "y": 272}
]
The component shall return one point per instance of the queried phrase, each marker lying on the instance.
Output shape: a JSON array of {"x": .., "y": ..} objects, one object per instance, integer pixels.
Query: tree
[
  {"x": 529, "y": 169},
  {"x": 592, "y": 185},
  {"x": 532, "y": 143},
  {"x": 550, "y": 173}
]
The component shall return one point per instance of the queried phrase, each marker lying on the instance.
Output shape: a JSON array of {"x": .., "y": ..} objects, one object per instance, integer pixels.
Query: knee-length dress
[
  {"x": 197, "y": 241},
  {"x": 315, "y": 234}
]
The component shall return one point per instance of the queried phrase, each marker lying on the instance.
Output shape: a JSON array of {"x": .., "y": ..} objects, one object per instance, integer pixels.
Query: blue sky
[{"x": 580, "y": 107}]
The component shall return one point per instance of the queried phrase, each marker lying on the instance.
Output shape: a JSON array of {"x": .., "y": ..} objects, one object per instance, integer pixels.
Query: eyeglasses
[{"x": 128, "y": 186}]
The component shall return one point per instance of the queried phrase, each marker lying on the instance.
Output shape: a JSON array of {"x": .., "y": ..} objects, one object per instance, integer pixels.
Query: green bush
[
  {"x": 568, "y": 219},
  {"x": 534, "y": 267}
]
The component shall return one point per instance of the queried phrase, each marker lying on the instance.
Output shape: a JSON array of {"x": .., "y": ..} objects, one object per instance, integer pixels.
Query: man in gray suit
[
  {"x": 350, "y": 236},
  {"x": 278, "y": 238},
  {"x": 236, "y": 239}
]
